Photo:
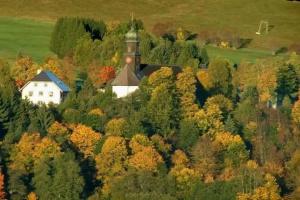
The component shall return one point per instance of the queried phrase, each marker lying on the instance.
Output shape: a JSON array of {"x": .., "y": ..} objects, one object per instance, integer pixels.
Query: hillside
[
  {"x": 238, "y": 16},
  {"x": 21, "y": 36}
]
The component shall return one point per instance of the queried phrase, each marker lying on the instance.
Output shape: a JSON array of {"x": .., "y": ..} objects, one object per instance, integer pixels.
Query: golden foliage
[
  {"x": 210, "y": 119},
  {"x": 296, "y": 112},
  {"x": 221, "y": 101},
  {"x": 53, "y": 65},
  {"x": 203, "y": 78},
  {"x": 160, "y": 144},
  {"x": 273, "y": 168},
  {"x": 22, "y": 156},
  {"x": 269, "y": 191},
  {"x": 32, "y": 196},
  {"x": 179, "y": 158},
  {"x": 31, "y": 148},
  {"x": 85, "y": 139},
  {"x": 96, "y": 111},
  {"x": 186, "y": 86},
  {"x": 46, "y": 148},
  {"x": 139, "y": 142},
  {"x": 57, "y": 129},
  {"x": 226, "y": 139},
  {"x": 184, "y": 176},
  {"x": 112, "y": 160},
  {"x": 163, "y": 75},
  {"x": 267, "y": 82},
  {"x": 24, "y": 69},
  {"x": 116, "y": 127},
  {"x": 146, "y": 159}
]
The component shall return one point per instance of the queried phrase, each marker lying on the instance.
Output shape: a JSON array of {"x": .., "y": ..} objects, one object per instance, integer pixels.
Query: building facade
[
  {"x": 128, "y": 79},
  {"x": 45, "y": 88}
]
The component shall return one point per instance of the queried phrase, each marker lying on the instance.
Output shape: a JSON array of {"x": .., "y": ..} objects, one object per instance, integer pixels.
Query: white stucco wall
[
  {"x": 46, "y": 88},
  {"x": 123, "y": 91}
]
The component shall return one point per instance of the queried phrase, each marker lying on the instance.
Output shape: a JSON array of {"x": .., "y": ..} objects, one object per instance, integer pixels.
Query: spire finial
[{"x": 132, "y": 20}]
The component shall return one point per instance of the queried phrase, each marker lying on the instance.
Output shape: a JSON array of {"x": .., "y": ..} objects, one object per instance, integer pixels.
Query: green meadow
[
  {"x": 24, "y": 36},
  {"x": 238, "y": 16},
  {"x": 26, "y": 26}
]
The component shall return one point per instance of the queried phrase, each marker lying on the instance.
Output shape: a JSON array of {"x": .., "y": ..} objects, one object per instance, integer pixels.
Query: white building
[
  {"x": 45, "y": 88},
  {"x": 130, "y": 75}
]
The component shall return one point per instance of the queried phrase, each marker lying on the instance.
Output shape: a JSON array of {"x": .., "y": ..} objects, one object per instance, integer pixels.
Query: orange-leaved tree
[
  {"x": 106, "y": 74},
  {"x": 85, "y": 139},
  {"x": 2, "y": 189}
]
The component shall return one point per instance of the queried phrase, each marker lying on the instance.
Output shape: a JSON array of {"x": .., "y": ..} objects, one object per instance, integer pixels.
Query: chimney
[{"x": 39, "y": 71}]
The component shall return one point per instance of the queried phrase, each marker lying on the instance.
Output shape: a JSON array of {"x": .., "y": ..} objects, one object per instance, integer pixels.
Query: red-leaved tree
[{"x": 106, "y": 74}]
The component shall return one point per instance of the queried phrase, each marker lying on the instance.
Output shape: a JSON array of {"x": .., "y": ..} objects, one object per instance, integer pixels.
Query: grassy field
[
  {"x": 23, "y": 36},
  {"x": 31, "y": 37},
  {"x": 236, "y": 56},
  {"x": 239, "y": 16}
]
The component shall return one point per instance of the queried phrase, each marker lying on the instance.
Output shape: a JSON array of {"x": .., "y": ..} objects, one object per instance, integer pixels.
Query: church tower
[{"x": 132, "y": 54}]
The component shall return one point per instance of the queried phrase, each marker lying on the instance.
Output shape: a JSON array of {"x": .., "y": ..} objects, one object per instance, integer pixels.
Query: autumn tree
[
  {"x": 186, "y": 87},
  {"x": 112, "y": 161},
  {"x": 209, "y": 120},
  {"x": 269, "y": 191},
  {"x": 116, "y": 127},
  {"x": 225, "y": 104},
  {"x": 106, "y": 74},
  {"x": 85, "y": 139},
  {"x": 32, "y": 196},
  {"x": 23, "y": 70},
  {"x": 184, "y": 175},
  {"x": 145, "y": 156},
  {"x": 162, "y": 109},
  {"x": 296, "y": 112},
  {"x": 2, "y": 188}
]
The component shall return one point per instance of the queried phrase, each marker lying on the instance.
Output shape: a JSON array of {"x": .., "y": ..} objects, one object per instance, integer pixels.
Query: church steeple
[{"x": 132, "y": 53}]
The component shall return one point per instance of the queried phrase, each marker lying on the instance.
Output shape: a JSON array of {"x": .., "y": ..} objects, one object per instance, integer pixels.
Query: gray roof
[
  {"x": 48, "y": 76},
  {"x": 126, "y": 77}
]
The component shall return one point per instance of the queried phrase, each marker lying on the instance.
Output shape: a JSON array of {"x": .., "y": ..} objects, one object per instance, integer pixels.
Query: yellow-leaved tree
[
  {"x": 186, "y": 87},
  {"x": 145, "y": 156},
  {"x": 184, "y": 175},
  {"x": 116, "y": 127},
  {"x": 32, "y": 196},
  {"x": 85, "y": 139}
]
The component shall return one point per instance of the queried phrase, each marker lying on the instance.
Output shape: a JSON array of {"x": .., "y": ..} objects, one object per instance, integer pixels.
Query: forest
[{"x": 217, "y": 130}]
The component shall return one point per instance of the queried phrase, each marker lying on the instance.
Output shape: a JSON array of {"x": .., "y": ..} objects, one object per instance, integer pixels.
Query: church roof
[
  {"x": 48, "y": 76},
  {"x": 126, "y": 78}
]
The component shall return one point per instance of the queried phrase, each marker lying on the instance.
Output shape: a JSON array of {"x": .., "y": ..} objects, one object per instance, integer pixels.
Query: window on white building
[
  {"x": 41, "y": 93},
  {"x": 50, "y": 94},
  {"x": 30, "y": 93},
  {"x": 35, "y": 84},
  {"x": 46, "y": 85}
]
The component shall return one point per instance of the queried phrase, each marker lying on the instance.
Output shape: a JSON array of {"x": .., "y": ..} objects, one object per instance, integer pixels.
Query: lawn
[
  {"x": 239, "y": 16},
  {"x": 236, "y": 56},
  {"x": 23, "y": 36},
  {"x": 31, "y": 37}
]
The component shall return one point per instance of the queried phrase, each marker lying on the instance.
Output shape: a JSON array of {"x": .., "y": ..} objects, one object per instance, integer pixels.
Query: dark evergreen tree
[{"x": 287, "y": 83}]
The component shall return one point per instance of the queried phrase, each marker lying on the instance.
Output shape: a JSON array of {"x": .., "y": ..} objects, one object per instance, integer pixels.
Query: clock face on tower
[{"x": 128, "y": 60}]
